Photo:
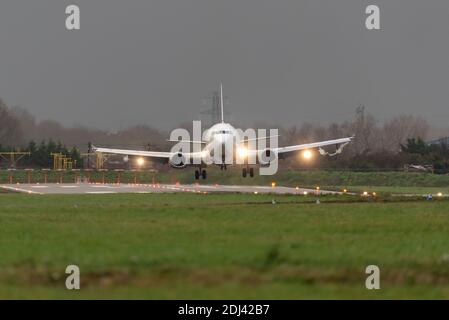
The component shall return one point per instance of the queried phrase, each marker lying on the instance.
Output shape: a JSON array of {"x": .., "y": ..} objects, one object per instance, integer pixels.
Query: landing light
[
  {"x": 307, "y": 154},
  {"x": 439, "y": 194},
  {"x": 140, "y": 161},
  {"x": 242, "y": 152}
]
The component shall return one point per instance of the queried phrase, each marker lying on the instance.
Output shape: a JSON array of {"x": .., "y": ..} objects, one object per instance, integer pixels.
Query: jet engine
[
  {"x": 178, "y": 160},
  {"x": 266, "y": 156}
]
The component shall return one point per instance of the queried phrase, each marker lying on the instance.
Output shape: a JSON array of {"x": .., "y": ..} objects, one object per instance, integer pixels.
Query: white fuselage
[{"x": 224, "y": 138}]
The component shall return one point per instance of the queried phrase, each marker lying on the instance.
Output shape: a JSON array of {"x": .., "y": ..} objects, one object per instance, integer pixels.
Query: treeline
[
  {"x": 18, "y": 126},
  {"x": 389, "y": 144},
  {"x": 419, "y": 152},
  {"x": 377, "y": 145}
]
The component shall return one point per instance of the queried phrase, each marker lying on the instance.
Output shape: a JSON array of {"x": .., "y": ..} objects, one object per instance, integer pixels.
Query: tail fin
[{"x": 221, "y": 102}]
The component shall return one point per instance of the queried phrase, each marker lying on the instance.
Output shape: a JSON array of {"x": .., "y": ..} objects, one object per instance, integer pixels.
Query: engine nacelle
[
  {"x": 178, "y": 160},
  {"x": 267, "y": 156}
]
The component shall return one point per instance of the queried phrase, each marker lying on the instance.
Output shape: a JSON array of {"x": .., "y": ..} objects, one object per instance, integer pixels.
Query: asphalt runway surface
[{"x": 87, "y": 188}]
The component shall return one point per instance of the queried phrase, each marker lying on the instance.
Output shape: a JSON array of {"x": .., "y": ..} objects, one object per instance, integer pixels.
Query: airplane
[{"x": 218, "y": 137}]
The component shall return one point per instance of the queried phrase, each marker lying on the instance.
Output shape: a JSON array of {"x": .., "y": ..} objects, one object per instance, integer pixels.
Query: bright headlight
[
  {"x": 140, "y": 161},
  {"x": 307, "y": 154},
  {"x": 242, "y": 152}
]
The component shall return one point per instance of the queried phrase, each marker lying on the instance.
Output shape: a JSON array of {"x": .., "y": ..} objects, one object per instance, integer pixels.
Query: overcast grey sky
[{"x": 153, "y": 61}]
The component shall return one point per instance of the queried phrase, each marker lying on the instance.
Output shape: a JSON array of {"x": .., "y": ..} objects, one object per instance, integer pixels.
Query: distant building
[
  {"x": 418, "y": 168},
  {"x": 439, "y": 141}
]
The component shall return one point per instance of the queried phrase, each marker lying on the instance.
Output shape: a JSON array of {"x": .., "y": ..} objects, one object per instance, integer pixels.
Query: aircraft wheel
[
  {"x": 197, "y": 174},
  {"x": 251, "y": 172},
  {"x": 204, "y": 174},
  {"x": 244, "y": 172}
]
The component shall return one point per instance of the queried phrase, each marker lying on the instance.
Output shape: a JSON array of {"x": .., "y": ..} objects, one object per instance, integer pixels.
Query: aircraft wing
[
  {"x": 158, "y": 156},
  {"x": 283, "y": 151},
  {"x": 151, "y": 154}
]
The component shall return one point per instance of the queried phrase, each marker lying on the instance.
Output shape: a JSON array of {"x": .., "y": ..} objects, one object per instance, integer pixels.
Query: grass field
[{"x": 222, "y": 246}]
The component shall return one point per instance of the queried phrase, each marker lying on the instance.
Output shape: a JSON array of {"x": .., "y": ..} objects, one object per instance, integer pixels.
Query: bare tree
[
  {"x": 10, "y": 131},
  {"x": 397, "y": 130}
]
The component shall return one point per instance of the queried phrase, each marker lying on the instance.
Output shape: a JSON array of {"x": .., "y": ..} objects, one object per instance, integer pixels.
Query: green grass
[{"x": 222, "y": 246}]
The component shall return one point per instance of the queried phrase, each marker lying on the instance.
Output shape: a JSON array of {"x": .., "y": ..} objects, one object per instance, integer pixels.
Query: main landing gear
[
  {"x": 246, "y": 171},
  {"x": 200, "y": 173}
]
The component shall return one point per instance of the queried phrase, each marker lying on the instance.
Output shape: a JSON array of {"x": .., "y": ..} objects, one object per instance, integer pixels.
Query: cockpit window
[{"x": 223, "y": 132}]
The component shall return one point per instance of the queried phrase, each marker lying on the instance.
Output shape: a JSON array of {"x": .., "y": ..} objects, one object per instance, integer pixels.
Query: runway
[{"x": 86, "y": 188}]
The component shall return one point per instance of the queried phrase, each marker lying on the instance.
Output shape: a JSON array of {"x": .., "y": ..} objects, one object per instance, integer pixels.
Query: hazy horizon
[{"x": 284, "y": 62}]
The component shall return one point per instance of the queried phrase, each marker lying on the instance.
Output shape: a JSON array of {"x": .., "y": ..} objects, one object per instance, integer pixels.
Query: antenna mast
[{"x": 221, "y": 100}]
